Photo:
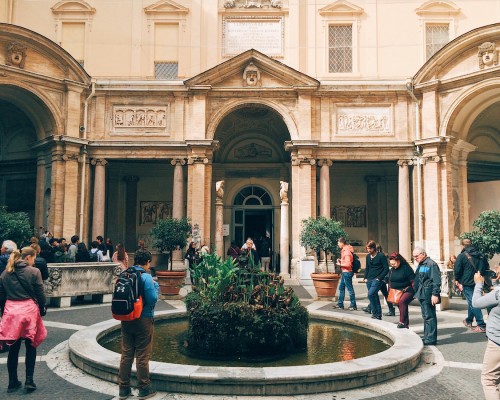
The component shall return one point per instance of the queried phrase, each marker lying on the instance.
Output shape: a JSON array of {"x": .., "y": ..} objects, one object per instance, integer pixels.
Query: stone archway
[{"x": 252, "y": 155}]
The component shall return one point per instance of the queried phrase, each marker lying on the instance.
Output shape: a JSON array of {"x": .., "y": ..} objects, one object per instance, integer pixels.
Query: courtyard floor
[{"x": 448, "y": 371}]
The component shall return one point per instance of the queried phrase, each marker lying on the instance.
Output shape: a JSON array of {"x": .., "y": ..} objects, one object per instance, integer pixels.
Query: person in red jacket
[{"x": 345, "y": 263}]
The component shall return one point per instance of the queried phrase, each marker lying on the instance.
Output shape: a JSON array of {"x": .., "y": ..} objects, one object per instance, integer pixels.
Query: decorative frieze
[
  {"x": 252, "y": 3},
  {"x": 373, "y": 121},
  {"x": 140, "y": 118},
  {"x": 152, "y": 211},
  {"x": 263, "y": 33},
  {"x": 350, "y": 216}
]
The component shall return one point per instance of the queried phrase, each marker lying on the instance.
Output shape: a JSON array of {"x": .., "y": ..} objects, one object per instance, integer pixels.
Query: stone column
[
  {"x": 219, "y": 218},
  {"x": 131, "y": 212},
  {"x": 284, "y": 231},
  {"x": 56, "y": 214},
  {"x": 40, "y": 193},
  {"x": 178, "y": 205},
  {"x": 178, "y": 189},
  {"x": 324, "y": 195},
  {"x": 404, "y": 209},
  {"x": 372, "y": 202},
  {"x": 99, "y": 197},
  {"x": 324, "y": 188}
]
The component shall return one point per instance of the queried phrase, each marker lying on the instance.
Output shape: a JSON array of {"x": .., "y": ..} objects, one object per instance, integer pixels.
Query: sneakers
[
  {"x": 390, "y": 313},
  {"x": 400, "y": 325},
  {"x": 479, "y": 329},
  {"x": 339, "y": 307},
  {"x": 376, "y": 317},
  {"x": 367, "y": 310},
  {"x": 146, "y": 392},
  {"x": 13, "y": 386},
  {"x": 467, "y": 324},
  {"x": 29, "y": 385},
  {"x": 353, "y": 308},
  {"x": 125, "y": 392}
]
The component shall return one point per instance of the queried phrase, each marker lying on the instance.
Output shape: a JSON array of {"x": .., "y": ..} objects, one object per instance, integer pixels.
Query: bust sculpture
[
  {"x": 488, "y": 55},
  {"x": 251, "y": 75},
  {"x": 284, "y": 192},
  {"x": 219, "y": 189},
  {"x": 16, "y": 55}
]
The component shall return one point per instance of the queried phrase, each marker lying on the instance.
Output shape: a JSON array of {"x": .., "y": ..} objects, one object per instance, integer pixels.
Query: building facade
[{"x": 250, "y": 116}]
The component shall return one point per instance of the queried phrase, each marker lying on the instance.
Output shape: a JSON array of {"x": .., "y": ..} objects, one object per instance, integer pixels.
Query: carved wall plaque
[
  {"x": 141, "y": 118},
  {"x": 364, "y": 120},
  {"x": 350, "y": 216},
  {"x": 263, "y": 33},
  {"x": 151, "y": 211},
  {"x": 253, "y": 150}
]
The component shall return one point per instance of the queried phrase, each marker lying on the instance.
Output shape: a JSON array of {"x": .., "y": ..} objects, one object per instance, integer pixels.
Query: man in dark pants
[
  {"x": 375, "y": 271},
  {"x": 468, "y": 262},
  {"x": 137, "y": 335},
  {"x": 427, "y": 290}
]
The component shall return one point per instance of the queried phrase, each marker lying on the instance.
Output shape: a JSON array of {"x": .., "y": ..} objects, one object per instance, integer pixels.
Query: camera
[{"x": 489, "y": 274}]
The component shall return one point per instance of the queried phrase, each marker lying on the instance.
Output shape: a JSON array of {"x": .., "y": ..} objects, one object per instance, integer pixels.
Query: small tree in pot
[
  {"x": 168, "y": 235},
  {"x": 322, "y": 234}
]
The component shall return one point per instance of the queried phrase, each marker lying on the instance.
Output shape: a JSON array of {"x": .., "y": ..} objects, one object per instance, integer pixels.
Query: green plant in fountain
[
  {"x": 321, "y": 234},
  {"x": 235, "y": 313},
  {"x": 171, "y": 234},
  {"x": 486, "y": 236}
]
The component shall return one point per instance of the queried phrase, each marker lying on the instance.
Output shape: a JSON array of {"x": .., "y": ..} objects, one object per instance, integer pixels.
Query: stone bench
[{"x": 79, "y": 279}]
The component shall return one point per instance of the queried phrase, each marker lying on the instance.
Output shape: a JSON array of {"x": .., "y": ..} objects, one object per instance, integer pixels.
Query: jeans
[
  {"x": 13, "y": 358},
  {"x": 472, "y": 311},
  {"x": 373, "y": 286},
  {"x": 137, "y": 339},
  {"x": 346, "y": 280},
  {"x": 430, "y": 321}
]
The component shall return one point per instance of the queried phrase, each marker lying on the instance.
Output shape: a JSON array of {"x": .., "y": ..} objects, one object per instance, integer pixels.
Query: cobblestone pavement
[{"x": 448, "y": 371}]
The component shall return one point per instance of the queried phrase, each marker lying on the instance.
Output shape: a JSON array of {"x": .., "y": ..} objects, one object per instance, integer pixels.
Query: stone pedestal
[
  {"x": 284, "y": 241},
  {"x": 307, "y": 267}
]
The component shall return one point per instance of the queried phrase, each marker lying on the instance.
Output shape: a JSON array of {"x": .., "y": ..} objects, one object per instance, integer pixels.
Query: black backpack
[
  {"x": 356, "y": 264},
  {"x": 126, "y": 304},
  {"x": 93, "y": 256}
]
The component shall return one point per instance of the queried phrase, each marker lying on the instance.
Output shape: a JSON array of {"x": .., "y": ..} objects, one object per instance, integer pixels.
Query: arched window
[{"x": 252, "y": 196}]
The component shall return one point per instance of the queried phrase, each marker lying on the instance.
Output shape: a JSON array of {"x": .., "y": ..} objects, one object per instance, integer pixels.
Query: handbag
[{"x": 394, "y": 295}]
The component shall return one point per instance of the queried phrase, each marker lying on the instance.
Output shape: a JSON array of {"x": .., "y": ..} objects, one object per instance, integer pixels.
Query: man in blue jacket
[
  {"x": 137, "y": 335},
  {"x": 427, "y": 287}
]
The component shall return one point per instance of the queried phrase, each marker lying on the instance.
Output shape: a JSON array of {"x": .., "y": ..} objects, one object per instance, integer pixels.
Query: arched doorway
[
  {"x": 17, "y": 160},
  {"x": 252, "y": 161}
]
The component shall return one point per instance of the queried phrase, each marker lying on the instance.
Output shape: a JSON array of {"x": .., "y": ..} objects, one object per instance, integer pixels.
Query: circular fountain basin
[{"x": 404, "y": 355}]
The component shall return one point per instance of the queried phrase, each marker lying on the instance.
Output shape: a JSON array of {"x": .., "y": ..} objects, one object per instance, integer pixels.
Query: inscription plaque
[
  {"x": 364, "y": 120},
  {"x": 265, "y": 34}
]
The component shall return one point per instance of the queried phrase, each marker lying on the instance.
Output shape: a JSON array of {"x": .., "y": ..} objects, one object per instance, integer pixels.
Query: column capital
[
  {"x": 70, "y": 157},
  {"x": 404, "y": 162},
  {"x": 300, "y": 160},
  {"x": 40, "y": 160},
  {"x": 99, "y": 161},
  {"x": 178, "y": 161},
  {"x": 131, "y": 178},
  {"x": 325, "y": 162},
  {"x": 198, "y": 160}
]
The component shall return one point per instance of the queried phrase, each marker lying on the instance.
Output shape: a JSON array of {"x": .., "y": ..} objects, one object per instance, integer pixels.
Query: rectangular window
[
  {"x": 436, "y": 37},
  {"x": 73, "y": 39},
  {"x": 340, "y": 48},
  {"x": 166, "y": 52}
]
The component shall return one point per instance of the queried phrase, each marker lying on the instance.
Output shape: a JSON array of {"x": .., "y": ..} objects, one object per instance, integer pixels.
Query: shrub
[
  {"x": 233, "y": 312},
  {"x": 171, "y": 234},
  {"x": 486, "y": 236},
  {"x": 15, "y": 226}
]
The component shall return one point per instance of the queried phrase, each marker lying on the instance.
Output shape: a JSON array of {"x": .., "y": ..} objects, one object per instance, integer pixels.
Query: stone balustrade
[{"x": 77, "y": 279}]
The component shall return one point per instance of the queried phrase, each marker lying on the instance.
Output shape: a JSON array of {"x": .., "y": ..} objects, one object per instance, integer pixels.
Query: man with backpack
[
  {"x": 346, "y": 264},
  {"x": 137, "y": 334},
  {"x": 468, "y": 262}
]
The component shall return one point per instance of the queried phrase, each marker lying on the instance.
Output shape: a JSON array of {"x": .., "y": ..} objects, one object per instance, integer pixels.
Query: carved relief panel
[
  {"x": 350, "y": 216},
  {"x": 362, "y": 121},
  {"x": 140, "y": 119}
]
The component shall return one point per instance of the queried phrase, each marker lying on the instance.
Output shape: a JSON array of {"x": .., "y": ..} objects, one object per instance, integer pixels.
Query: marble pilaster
[
  {"x": 99, "y": 197},
  {"x": 40, "y": 191},
  {"x": 178, "y": 204},
  {"x": 404, "y": 209}
]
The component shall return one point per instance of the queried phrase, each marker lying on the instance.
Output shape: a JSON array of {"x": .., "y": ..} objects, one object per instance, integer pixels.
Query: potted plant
[
  {"x": 168, "y": 235},
  {"x": 322, "y": 234}
]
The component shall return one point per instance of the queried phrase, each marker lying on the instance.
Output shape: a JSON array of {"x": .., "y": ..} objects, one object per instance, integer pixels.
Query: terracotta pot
[
  {"x": 325, "y": 284},
  {"x": 170, "y": 281}
]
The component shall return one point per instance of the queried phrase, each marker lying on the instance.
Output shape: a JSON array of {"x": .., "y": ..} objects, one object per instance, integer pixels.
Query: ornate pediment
[
  {"x": 234, "y": 73},
  {"x": 438, "y": 9},
  {"x": 78, "y": 7},
  {"x": 341, "y": 8},
  {"x": 166, "y": 7}
]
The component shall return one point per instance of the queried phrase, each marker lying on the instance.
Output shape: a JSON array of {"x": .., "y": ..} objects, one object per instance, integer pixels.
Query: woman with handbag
[
  {"x": 400, "y": 279},
  {"x": 22, "y": 301}
]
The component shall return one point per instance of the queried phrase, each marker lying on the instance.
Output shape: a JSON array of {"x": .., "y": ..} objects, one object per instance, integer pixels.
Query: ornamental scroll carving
[
  {"x": 125, "y": 117},
  {"x": 350, "y": 216},
  {"x": 53, "y": 283},
  {"x": 152, "y": 211},
  {"x": 364, "y": 120}
]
